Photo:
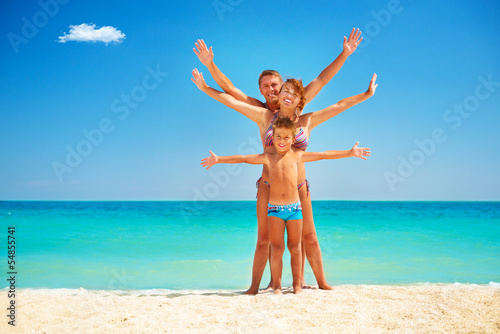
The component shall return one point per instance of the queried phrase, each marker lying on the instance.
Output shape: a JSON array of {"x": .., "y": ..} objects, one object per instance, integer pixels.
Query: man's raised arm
[{"x": 206, "y": 57}]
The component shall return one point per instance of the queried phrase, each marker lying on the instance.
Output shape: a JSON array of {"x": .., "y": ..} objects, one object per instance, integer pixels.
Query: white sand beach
[{"x": 455, "y": 308}]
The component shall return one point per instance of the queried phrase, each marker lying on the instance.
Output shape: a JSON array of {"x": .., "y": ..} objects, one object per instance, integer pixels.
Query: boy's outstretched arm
[
  {"x": 355, "y": 152},
  {"x": 321, "y": 116},
  {"x": 256, "y": 159},
  {"x": 350, "y": 45},
  {"x": 206, "y": 56}
]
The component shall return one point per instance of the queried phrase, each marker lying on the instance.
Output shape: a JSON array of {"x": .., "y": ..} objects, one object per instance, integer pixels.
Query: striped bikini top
[{"x": 301, "y": 141}]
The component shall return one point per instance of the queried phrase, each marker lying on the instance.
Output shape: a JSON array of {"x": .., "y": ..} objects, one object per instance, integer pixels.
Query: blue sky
[{"x": 432, "y": 124}]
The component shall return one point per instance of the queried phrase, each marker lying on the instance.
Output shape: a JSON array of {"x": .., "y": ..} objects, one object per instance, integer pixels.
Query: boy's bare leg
[
  {"x": 277, "y": 237},
  {"x": 310, "y": 240},
  {"x": 294, "y": 232},
  {"x": 262, "y": 249}
]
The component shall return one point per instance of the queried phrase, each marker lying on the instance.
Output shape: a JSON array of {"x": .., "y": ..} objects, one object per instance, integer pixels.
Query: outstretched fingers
[
  {"x": 352, "y": 33},
  {"x": 198, "y": 78},
  {"x": 373, "y": 86},
  {"x": 361, "y": 152},
  {"x": 357, "y": 35},
  {"x": 354, "y": 36},
  {"x": 365, "y": 152},
  {"x": 205, "y": 55},
  {"x": 351, "y": 43},
  {"x": 200, "y": 46},
  {"x": 205, "y": 163},
  {"x": 210, "y": 161},
  {"x": 198, "y": 49}
]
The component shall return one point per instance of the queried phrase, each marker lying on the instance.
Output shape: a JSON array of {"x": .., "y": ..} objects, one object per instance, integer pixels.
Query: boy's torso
[{"x": 283, "y": 175}]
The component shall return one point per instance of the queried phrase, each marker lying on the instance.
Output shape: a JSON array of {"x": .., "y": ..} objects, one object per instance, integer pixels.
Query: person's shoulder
[
  {"x": 305, "y": 115},
  {"x": 269, "y": 152},
  {"x": 297, "y": 152},
  {"x": 270, "y": 114},
  {"x": 305, "y": 118}
]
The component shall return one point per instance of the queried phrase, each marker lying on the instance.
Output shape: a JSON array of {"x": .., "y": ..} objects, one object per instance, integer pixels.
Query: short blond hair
[{"x": 270, "y": 72}]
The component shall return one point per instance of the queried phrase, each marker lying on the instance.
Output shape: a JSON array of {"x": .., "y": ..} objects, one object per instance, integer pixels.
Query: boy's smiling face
[{"x": 283, "y": 139}]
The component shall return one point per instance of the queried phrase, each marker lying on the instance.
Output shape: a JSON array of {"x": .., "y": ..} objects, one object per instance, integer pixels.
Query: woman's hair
[
  {"x": 285, "y": 122},
  {"x": 297, "y": 85},
  {"x": 269, "y": 72}
]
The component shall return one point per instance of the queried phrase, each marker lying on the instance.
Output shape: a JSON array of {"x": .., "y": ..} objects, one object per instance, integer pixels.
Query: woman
[{"x": 291, "y": 100}]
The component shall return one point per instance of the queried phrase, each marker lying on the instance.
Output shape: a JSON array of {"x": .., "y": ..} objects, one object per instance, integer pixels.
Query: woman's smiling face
[{"x": 289, "y": 97}]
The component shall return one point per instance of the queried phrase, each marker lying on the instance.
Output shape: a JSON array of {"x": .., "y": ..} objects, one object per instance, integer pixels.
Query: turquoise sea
[{"x": 210, "y": 245}]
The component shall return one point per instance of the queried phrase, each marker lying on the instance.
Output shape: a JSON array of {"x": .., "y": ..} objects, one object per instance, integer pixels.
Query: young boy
[{"x": 284, "y": 210}]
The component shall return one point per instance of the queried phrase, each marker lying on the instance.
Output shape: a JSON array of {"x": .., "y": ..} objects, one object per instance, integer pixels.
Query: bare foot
[
  {"x": 325, "y": 287},
  {"x": 251, "y": 291},
  {"x": 277, "y": 291},
  {"x": 305, "y": 286},
  {"x": 269, "y": 287},
  {"x": 297, "y": 289}
]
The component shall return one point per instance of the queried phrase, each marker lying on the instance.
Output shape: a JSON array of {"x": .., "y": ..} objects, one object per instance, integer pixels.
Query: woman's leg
[
  {"x": 310, "y": 240},
  {"x": 277, "y": 237},
  {"x": 294, "y": 233},
  {"x": 302, "y": 279},
  {"x": 262, "y": 249}
]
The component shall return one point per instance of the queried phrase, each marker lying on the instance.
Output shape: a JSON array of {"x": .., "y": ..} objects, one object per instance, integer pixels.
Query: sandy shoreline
[{"x": 454, "y": 308}]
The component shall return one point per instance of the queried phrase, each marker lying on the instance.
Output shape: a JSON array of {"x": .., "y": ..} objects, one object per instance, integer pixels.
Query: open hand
[
  {"x": 352, "y": 43},
  {"x": 372, "y": 87},
  {"x": 210, "y": 161},
  {"x": 360, "y": 152},
  {"x": 205, "y": 55},
  {"x": 198, "y": 79}
]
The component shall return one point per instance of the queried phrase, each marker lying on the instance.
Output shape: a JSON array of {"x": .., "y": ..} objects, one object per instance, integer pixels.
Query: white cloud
[{"x": 88, "y": 33}]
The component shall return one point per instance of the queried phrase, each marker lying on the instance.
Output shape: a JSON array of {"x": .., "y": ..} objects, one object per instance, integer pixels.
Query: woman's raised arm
[
  {"x": 350, "y": 45},
  {"x": 318, "y": 117},
  {"x": 256, "y": 114}
]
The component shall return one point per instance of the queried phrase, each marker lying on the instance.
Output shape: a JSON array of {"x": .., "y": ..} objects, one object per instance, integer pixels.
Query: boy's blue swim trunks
[{"x": 285, "y": 212}]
